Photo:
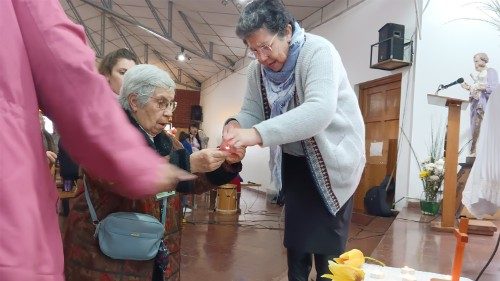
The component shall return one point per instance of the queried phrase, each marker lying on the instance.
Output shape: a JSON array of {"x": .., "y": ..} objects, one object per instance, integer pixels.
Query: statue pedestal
[{"x": 470, "y": 160}]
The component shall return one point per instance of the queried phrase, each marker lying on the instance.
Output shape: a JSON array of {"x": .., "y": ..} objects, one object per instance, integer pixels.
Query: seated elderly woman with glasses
[{"x": 147, "y": 96}]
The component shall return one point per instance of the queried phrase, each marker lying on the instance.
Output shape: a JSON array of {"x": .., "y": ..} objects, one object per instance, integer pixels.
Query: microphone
[{"x": 459, "y": 81}]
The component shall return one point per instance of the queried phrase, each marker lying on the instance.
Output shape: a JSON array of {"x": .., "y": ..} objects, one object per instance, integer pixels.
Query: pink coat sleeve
[{"x": 81, "y": 103}]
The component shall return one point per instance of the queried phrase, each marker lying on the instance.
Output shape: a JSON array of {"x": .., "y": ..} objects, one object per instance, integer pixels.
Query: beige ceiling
[{"x": 157, "y": 29}]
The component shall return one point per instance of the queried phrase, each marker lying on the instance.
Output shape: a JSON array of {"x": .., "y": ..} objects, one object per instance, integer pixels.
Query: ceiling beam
[
  {"x": 146, "y": 53},
  {"x": 103, "y": 32},
  {"x": 193, "y": 32},
  {"x": 174, "y": 62},
  {"x": 230, "y": 61},
  {"x": 170, "y": 19},
  {"x": 157, "y": 18},
  {"x": 177, "y": 79},
  {"x": 159, "y": 36},
  {"x": 106, "y": 3},
  {"x": 81, "y": 22},
  {"x": 160, "y": 57},
  {"x": 198, "y": 83},
  {"x": 158, "y": 54},
  {"x": 125, "y": 40}
]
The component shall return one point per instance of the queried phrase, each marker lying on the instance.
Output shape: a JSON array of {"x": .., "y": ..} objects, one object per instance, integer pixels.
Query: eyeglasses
[
  {"x": 164, "y": 104},
  {"x": 265, "y": 49}
]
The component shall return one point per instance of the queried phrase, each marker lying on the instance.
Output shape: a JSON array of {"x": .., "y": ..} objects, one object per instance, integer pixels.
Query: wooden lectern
[{"x": 454, "y": 105}]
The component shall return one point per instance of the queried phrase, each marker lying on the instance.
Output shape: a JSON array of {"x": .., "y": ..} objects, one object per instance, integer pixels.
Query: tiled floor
[
  {"x": 249, "y": 246},
  {"x": 234, "y": 247},
  {"x": 410, "y": 241}
]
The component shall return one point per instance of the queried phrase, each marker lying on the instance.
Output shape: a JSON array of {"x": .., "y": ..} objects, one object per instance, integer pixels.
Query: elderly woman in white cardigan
[{"x": 300, "y": 104}]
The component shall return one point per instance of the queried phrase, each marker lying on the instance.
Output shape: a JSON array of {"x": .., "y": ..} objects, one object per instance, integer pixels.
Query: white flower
[
  {"x": 439, "y": 170},
  {"x": 430, "y": 167},
  {"x": 427, "y": 160},
  {"x": 434, "y": 178},
  {"x": 440, "y": 162}
]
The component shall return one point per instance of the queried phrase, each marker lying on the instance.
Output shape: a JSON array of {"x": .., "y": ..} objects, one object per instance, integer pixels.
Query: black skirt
[{"x": 309, "y": 227}]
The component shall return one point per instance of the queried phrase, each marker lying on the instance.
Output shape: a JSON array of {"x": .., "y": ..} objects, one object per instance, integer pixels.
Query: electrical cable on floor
[
  {"x": 256, "y": 197},
  {"x": 371, "y": 236},
  {"x": 489, "y": 261},
  {"x": 433, "y": 219},
  {"x": 254, "y": 226},
  {"x": 255, "y": 223},
  {"x": 397, "y": 201},
  {"x": 259, "y": 212}
]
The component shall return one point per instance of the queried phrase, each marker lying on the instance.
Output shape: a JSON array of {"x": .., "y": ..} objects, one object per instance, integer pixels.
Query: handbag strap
[{"x": 93, "y": 214}]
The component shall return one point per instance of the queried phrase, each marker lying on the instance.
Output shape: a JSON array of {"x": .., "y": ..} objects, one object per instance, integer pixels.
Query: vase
[{"x": 430, "y": 205}]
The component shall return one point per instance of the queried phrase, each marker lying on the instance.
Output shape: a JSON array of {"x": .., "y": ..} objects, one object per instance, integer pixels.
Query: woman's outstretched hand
[
  {"x": 170, "y": 175},
  {"x": 207, "y": 160},
  {"x": 234, "y": 136}
]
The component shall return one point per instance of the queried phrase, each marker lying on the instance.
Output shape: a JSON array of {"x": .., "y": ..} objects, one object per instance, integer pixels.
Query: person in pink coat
[{"x": 45, "y": 64}]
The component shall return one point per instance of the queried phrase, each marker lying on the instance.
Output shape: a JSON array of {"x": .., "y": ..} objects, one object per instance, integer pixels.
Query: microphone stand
[{"x": 440, "y": 87}]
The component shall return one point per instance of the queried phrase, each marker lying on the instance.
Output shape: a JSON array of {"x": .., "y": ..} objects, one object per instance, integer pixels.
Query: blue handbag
[{"x": 128, "y": 235}]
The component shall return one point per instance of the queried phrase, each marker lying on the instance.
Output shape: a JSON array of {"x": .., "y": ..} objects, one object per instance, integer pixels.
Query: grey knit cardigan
[{"x": 327, "y": 121}]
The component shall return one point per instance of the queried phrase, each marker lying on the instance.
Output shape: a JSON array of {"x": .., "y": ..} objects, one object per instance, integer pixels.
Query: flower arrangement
[
  {"x": 432, "y": 176},
  {"x": 347, "y": 267},
  {"x": 432, "y": 169}
]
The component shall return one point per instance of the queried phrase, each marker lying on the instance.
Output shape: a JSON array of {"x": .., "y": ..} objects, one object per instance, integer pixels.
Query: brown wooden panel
[
  {"x": 360, "y": 193},
  {"x": 391, "y": 129},
  {"x": 375, "y": 131},
  {"x": 373, "y": 176},
  {"x": 379, "y": 101},
  {"x": 392, "y": 155},
  {"x": 381, "y": 81},
  {"x": 375, "y": 106},
  {"x": 392, "y": 102},
  {"x": 376, "y": 174}
]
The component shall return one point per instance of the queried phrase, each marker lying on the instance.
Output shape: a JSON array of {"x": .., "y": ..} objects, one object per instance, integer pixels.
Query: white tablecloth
[{"x": 394, "y": 274}]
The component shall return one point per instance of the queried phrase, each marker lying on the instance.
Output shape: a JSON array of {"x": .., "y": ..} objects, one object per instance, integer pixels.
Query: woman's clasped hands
[{"x": 234, "y": 136}]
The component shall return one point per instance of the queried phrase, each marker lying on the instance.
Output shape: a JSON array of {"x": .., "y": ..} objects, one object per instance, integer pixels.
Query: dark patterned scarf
[{"x": 163, "y": 144}]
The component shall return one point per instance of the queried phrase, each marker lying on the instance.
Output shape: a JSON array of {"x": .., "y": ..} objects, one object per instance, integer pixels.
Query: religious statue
[{"x": 484, "y": 82}]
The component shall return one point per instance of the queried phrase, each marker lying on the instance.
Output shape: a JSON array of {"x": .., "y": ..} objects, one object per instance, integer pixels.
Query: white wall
[
  {"x": 444, "y": 54},
  {"x": 352, "y": 33},
  {"x": 222, "y": 100}
]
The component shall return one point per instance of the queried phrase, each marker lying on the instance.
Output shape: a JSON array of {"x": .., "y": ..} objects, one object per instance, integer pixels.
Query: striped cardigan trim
[
  {"x": 265, "y": 101},
  {"x": 320, "y": 175}
]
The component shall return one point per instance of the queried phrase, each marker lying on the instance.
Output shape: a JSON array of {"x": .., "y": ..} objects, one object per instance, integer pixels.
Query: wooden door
[{"x": 379, "y": 101}]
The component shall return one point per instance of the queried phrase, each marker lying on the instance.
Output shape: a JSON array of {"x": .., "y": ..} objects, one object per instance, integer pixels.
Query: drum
[{"x": 226, "y": 199}]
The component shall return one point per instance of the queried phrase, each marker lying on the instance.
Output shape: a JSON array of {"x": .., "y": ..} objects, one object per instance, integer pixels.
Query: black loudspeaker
[
  {"x": 196, "y": 113},
  {"x": 391, "y": 42},
  {"x": 391, "y": 48},
  {"x": 391, "y": 30}
]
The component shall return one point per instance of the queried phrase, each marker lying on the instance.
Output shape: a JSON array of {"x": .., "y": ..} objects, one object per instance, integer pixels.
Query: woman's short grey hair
[
  {"x": 143, "y": 79},
  {"x": 269, "y": 14},
  {"x": 483, "y": 57}
]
